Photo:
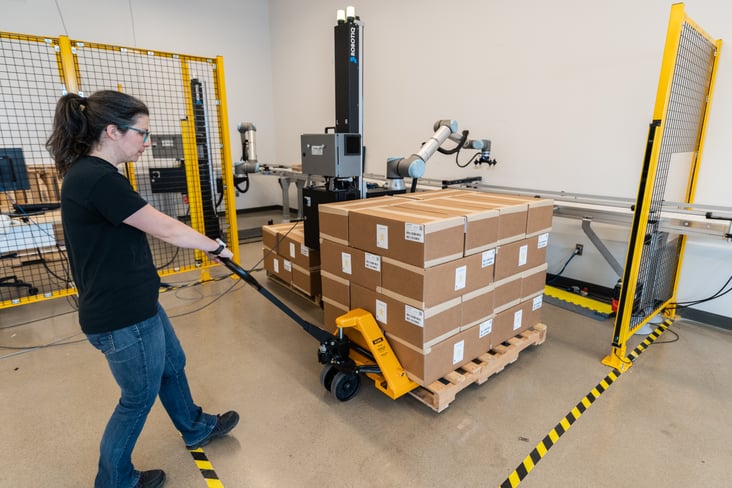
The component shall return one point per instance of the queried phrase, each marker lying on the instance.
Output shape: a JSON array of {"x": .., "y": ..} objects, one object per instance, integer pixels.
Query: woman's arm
[{"x": 151, "y": 221}]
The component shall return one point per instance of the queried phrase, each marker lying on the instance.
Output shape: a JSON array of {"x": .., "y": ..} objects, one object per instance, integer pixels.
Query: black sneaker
[
  {"x": 224, "y": 424},
  {"x": 155, "y": 478}
]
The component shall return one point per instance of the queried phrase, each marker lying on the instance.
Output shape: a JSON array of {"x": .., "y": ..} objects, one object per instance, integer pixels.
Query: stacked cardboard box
[
  {"x": 288, "y": 258},
  {"x": 447, "y": 274}
]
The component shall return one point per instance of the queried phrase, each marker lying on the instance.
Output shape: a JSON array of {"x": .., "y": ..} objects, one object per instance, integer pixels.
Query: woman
[{"x": 105, "y": 224}]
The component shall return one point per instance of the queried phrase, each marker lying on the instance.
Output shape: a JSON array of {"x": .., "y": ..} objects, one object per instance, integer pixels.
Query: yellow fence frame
[
  {"x": 623, "y": 329},
  {"x": 71, "y": 79}
]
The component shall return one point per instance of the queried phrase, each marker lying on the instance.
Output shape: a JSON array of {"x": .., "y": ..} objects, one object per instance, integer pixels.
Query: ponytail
[{"x": 79, "y": 122}]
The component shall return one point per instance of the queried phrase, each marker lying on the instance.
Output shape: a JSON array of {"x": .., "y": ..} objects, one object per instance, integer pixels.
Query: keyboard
[{"x": 35, "y": 207}]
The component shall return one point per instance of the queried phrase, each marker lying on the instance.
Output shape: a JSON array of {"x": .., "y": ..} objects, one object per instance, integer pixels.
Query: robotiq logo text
[{"x": 353, "y": 58}]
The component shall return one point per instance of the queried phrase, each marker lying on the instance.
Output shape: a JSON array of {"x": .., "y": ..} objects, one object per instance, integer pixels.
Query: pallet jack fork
[{"x": 357, "y": 346}]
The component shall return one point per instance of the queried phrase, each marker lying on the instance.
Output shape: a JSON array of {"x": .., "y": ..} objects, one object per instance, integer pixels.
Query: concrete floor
[{"x": 664, "y": 423}]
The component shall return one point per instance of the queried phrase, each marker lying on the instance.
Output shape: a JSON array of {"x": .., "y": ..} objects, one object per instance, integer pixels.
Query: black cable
[
  {"x": 219, "y": 297},
  {"x": 574, "y": 253},
  {"x": 37, "y": 320},
  {"x": 457, "y": 148},
  {"x": 470, "y": 161},
  {"x": 66, "y": 281},
  {"x": 687, "y": 304},
  {"x": 271, "y": 251},
  {"x": 43, "y": 346},
  {"x": 246, "y": 188},
  {"x": 676, "y": 339}
]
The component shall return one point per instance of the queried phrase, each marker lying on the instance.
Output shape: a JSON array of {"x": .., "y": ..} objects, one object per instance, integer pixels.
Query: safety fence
[
  {"x": 186, "y": 173},
  {"x": 669, "y": 173}
]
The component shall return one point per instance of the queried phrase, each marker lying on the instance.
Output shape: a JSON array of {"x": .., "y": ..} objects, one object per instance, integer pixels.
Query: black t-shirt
[{"x": 110, "y": 261}]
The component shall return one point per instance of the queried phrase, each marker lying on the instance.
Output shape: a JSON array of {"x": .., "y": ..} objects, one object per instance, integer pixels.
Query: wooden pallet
[
  {"x": 315, "y": 299},
  {"x": 441, "y": 393}
]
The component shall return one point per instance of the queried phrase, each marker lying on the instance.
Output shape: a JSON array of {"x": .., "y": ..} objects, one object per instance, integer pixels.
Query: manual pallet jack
[{"x": 357, "y": 346}]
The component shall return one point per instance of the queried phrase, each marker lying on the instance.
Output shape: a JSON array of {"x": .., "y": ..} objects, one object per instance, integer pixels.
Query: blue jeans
[{"x": 146, "y": 360}]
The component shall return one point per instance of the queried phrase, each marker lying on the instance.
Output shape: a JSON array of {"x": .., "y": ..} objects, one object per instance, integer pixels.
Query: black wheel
[
  {"x": 326, "y": 376},
  {"x": 345, "y": 386}
]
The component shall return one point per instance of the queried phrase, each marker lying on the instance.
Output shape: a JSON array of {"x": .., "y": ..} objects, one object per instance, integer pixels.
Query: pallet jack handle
[{"x": 315, "y": 331}]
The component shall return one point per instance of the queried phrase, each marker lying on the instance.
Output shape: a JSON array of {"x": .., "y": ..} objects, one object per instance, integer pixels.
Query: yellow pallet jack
[{"x": 357, "y": 347}]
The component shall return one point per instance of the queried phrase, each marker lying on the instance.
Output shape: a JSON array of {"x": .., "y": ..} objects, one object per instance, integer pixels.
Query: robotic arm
[
  {"x": 248, "y": 163},
  {"x": 414, "y": 166}
]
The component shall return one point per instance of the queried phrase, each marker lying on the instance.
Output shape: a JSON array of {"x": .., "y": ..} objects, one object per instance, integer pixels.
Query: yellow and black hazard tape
[
  {"x": 563, "y": 426},
  {"x": 206, "y": 468}
]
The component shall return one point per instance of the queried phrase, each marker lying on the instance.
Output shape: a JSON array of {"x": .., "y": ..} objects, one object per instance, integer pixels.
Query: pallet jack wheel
[
  {"x": 345, "y": 386},
  {"x": 326, "y": 376}
]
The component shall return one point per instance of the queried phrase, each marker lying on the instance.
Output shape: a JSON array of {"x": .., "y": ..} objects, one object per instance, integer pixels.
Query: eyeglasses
[{"x": 144, "y": 133}]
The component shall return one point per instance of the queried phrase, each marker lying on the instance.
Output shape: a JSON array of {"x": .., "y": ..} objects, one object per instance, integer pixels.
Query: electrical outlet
[{"x": 578, "y": 248}]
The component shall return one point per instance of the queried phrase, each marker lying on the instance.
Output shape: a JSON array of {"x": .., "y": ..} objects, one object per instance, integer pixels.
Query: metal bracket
[{"x": 590, "y": 233}]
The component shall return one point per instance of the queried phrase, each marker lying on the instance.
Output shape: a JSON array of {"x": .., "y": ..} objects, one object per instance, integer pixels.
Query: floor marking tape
[
  {"x": 542, "y": 448},
  {"x": 206, "y": 468}
]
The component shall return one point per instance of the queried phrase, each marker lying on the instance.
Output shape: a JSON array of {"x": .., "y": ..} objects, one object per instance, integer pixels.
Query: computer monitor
[{"x": 13, "y": 173}]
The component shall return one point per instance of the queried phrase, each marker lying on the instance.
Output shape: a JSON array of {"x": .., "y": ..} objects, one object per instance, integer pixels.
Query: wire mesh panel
[
  {"x": 682, "y": 126},
  {"x": 180, "y": 175},
  {"x": 32, "y": 262},
  {"x": 674, "y": 146}
]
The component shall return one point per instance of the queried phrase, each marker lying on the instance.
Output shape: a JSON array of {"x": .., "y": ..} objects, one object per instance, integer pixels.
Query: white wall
[
  {"x": 237, "y": 30},
  {"x": 564, "y": 89}
]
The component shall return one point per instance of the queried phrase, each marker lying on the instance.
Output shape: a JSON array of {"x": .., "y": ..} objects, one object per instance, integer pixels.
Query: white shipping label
[
  {"x": 413, "y": 232},
  {"x": 523, "y": 255},
  {"x": 382, "y": 236},
  {"x": 373, "y": 262},
  {"x": 276, "y": 265},
  {"x": 381, "y": 311},
  {"x": 543, "y": 241},
  {"x": 287, "y": 265},
  {"x": 461, "y": 275},
  {"x": 304, "y": 250},
  {"x": 536, "y": 304},
  {"x": 458, "y": 352},
  {"x": 517, "y": 319},
  {"x": 489, "y": 258},
  {"x": 293, "y": 253},
  {"x": 414, "y": 316},
  {"x": 485, "y": 328},
  {"x": 346, "y": 265}
]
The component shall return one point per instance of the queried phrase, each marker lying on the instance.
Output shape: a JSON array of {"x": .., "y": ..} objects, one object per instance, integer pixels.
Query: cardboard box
[
  {"x": 481, "y": 222},
  {"x": 277, "y": 265},
  {"x": 331, "y": 311},
  {"x": 423, "y": 239},
  {"x": 351, "y": 264},
  {"x": 517, "y": 257},
  {"x": 272, "y": 234},
  {"x": 306, "y": 280},
  {"x": 419, "y": 327},
  {"x": 427, "y": 365},
  {"x": 533, "y": 281},
  {"x": 517, "y": 319},
  {"x": 427, "y": 287},
  {"x": 336, "y": 289},
  {"x": 430, "y": 194},
  {"x": 540, "y": 211},
  {"x": 511, "y": 259},
  {"x": 333, "y": 217},
  {"x": 512, "y": 215},
  {"x": 477, "y": 306},
  {"x": 293, "y": 248},
  {"x": 507, "y": 292},
  {"x": 537, "y": 250}
]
